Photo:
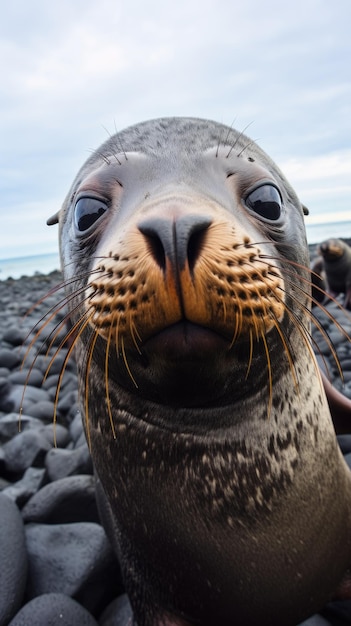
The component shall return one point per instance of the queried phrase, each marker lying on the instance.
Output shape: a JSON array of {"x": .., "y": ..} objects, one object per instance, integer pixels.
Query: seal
[
  {"x": 335, "y": 263},
  {"x": 318, "y": 282},
  {"x": 187, "y": 278}
]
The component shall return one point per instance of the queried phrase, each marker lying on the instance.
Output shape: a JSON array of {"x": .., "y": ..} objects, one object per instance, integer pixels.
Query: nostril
[
  {"x": 195, "y": 245},
  {"x": 158, "y": 234},
  {"x": 156, "y": 249}
]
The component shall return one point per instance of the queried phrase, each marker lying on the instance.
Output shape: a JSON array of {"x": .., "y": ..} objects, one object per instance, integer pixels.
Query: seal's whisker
[
  {"x": 74, "y": 332},
  {"x": 134, "y": 334},
  {"x": 117, "y": 336},
  {"x": 59, "y": 383},
  {"x": 287, "y": 351},
  {"x": 256, "y": 327},
  {"x": 324, "y": 333},
  {"x": 54, "y": 332},
  {"x": 331, "y": 346},
  {"x": 108, "y": 400},
  {"x": 250, "y": 355},
  {"x": 126, "y": 363},
  {"x": 306, "y": 334},
  {"x": 237, "y": 139},
  {"x": 87, "y": 370},
  {"x": 269, "y": 370},
  {"x": 309, "y": 282},
  {"x": 238, "y": 324},
  {"x": 43, "y": 322},
  {"x": 254, "y": 319},
  {"x": 51, "y": 292},
  {"x": 56, "y": 288},
  {"x": 32, "y": 365},
  {"x": 250, "y": 143},
  {"x": 68, "y": 335},
  {"x": 321, "y": 328},
  {"x": 102, "y": 156},
  {"x": 36, "y": 337},
  {"x": 117, "y": 139},
  {"x": 225, "y": 142},
  {"x": 322, "y": 308},
  {"x": 113, "y": 154},
  {"x": 224, "y": 310}
]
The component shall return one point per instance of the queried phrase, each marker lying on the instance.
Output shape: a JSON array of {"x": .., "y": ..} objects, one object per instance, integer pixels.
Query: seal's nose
[{"x": 179, "y": 240}]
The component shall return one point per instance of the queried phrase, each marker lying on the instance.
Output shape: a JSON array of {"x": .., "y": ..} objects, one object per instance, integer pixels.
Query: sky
[{"x": 74, "y": 71}]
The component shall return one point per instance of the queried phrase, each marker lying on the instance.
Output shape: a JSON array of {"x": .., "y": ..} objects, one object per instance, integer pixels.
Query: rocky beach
[{"x": 56, "y": 563}]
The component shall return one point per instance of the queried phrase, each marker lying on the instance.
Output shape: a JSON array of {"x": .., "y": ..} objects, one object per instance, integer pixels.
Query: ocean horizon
[
  {"x": 29, "y": 265},
  {"x": 16, "y": 267}
]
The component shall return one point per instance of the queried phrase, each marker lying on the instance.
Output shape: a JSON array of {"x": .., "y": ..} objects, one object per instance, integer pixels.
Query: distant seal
[
  {"x": 336, "y": 263},
  {"x": 319, "y": 286},
  {"x": 186, "y": 266}
]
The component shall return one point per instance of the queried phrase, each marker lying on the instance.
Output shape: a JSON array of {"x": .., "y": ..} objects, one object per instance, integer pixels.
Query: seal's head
[
  {"x": 177, "y": 229},
  {"x": 186, "y": 270},
  {"x": 332, "y": 249}
]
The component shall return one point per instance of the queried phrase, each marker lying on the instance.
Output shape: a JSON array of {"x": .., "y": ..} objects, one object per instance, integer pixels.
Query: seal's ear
[
  {"x": 305, "y": 210},
  {"x": 53, "y": 219}
]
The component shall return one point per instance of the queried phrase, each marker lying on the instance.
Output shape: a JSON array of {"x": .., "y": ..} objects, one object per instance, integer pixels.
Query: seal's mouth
[
  {"x": 186, "y": 341},
  {"x": 185, "y": 365}
]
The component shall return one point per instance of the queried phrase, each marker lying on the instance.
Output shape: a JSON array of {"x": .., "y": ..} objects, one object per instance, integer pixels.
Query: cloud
[
  {"x": 323, "y": 183},
  {"x": 322, "y": 169}
]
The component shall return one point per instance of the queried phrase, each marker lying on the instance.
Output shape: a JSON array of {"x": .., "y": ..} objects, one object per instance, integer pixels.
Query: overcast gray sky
[{"x": 74, "y": 68}]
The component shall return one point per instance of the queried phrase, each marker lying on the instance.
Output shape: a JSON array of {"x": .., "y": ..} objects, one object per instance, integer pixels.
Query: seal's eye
[
  {"x": 87, "y": 211},
  {"x": 265, "y": 201}
]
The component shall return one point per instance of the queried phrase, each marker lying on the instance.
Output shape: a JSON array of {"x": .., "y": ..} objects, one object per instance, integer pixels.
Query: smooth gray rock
[
  {"x": 70, "y": 499},
  {"x": 57, "y": 435},
  {"x": 15, "y": 335},
  {"x": 13, "y": 560},
  {"x": 22, "y": 396},
  {"x": 9, "y": 358},
  {"x": 62, "y": 463},
  {"x": 19, "y": 377},
  {"x": 25, "y": 450},
  {"x": 53, "y": 609},
  {"x": 76, "y": 427},
  {"x": 74, "y": 559},
  {"x": 25, "y": 488},
  {"x": 118, "y": 613},
  {"x": 67, "y": 400},
  {"x": 12, "y": 424},
  {"x": 43, "y": 409}
]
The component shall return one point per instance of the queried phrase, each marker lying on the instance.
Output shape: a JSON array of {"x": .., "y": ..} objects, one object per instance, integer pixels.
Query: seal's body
[
  {"x": 336, "y": 262},
  {"x": 186, "y": 264}
]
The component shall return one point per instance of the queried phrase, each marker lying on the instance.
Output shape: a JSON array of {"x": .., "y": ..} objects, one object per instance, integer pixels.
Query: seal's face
[
  {"x": 332, "y": 249},
  {"x": 181, "y": 240}
]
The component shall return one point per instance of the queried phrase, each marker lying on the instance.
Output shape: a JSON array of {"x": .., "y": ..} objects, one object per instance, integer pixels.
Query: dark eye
[
  {"x": 87, "y": 211},
  {"x": 265, "y": 201}
]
